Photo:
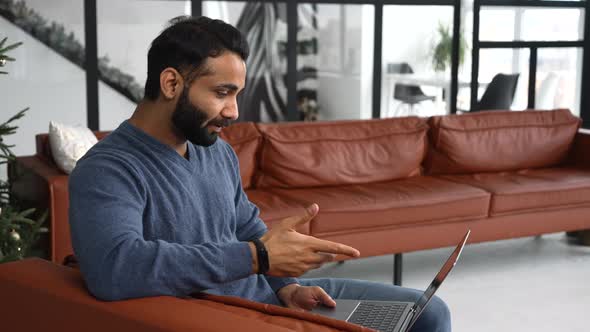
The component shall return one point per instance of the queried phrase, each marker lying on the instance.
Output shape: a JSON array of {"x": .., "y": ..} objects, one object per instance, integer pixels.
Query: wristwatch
[{"x": 262, "y": 256}]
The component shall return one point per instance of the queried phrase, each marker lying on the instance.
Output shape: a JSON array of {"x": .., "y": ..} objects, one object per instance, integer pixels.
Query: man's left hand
[{"x": 295, "y": 296}]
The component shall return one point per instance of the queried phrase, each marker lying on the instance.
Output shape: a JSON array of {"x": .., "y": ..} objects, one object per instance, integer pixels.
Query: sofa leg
[
  {"x": 397, "y": 269},
  {"x": 340, "y": 262},
  {"x": 579, "y": 237},
  {"x": 584, "y": 237}
]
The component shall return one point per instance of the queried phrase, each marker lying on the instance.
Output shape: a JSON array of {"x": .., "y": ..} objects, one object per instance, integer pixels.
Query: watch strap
[{"x": 262, "y": 256}]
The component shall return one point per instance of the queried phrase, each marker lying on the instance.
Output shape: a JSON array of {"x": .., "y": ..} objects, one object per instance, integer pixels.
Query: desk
[{"x": 438, "y": 80}]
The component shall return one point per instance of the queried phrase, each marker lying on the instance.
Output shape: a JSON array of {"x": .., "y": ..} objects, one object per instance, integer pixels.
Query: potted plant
[{"x": 443, "y": 49}]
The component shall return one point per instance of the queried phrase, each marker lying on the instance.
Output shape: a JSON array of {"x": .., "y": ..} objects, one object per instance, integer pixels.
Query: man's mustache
[{"x": 220, "y": 123}]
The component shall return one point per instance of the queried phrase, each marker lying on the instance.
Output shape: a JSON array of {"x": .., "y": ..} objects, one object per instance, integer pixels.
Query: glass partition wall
[
  {"x": 414, "y": 71},
  {"x": 324, "y": 60},
  {"x": 417, "y": 56},
  {"x": 335, "y": 61}
]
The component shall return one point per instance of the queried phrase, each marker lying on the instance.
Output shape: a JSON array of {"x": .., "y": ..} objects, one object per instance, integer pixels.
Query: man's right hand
[{"x": 291, "y": 254}]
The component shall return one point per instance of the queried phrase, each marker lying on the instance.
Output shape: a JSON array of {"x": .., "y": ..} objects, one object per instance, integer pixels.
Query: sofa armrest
[
  {"x": 277, "y": 311},
  {"x": 39, "y": 295},
  {"x": 38, "y": 183},
  {"x": 580, "y": 153}
]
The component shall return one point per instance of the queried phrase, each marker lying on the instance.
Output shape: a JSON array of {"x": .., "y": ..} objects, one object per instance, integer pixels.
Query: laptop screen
[{"x": 438, "y": 279}]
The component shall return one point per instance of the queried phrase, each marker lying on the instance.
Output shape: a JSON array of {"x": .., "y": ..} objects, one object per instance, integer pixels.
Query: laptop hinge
[{"x": 408, "y": 319}]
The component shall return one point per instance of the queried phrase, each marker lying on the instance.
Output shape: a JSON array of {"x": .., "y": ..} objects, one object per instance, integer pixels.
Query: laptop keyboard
[{"x": 379, "y": 316}]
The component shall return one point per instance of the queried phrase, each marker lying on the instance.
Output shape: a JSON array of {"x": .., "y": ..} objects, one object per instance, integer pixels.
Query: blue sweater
[{"x": 145, "y": 221}]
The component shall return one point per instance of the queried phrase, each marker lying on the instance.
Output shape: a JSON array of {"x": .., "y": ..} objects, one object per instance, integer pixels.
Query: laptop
[{"x": 390, "y": 316}]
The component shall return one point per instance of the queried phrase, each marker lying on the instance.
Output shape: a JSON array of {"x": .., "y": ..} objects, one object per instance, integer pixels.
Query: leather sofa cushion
[
  {"x": 422, "y": 199},
  {"x": 299, "y": 155},
  {"x": 274, "y": 208},
  {"x": 532, "y": 190},
  {"x": 245, "y": 140},
  {"x": 499, "y": 141}
]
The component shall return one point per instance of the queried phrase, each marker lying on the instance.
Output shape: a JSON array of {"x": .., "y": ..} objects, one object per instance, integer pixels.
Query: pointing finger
[{"x": 333, "y": 247}]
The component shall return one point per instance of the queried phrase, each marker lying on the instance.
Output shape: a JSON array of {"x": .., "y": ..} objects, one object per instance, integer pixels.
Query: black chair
[
  {"x": 499, "y": 94},
  {"x": 405, "y": 93}
]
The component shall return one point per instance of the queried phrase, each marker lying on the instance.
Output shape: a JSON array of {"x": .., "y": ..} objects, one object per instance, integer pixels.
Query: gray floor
[{"x": 528, "y": 284}]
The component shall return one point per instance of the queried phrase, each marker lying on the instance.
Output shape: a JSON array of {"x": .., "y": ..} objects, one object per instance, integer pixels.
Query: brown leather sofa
[
  {"x": 38, "y": 295},
  {"x": 391, "y": 185}
]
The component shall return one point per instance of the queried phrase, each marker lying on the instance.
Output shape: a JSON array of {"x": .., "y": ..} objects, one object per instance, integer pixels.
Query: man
[{"x": 152, "y": 214}]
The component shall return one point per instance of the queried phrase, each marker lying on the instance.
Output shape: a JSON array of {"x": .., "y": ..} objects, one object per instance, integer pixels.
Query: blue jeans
[{"x": 436, "y": 317}]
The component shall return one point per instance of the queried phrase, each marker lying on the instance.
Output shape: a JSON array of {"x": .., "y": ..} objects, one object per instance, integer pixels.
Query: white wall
[{"x": 67, "y": 12}]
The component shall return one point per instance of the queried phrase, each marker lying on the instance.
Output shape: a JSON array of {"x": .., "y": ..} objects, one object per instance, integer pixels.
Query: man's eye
[{"x": 221, "y": 93}]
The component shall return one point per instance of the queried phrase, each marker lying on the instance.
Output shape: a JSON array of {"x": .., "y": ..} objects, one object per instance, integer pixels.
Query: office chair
[
  {"x": 406, "y": 94},
  {"x": 499, "y": 94}
]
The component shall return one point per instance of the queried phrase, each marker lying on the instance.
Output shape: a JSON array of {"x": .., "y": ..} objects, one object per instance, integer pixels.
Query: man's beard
[{"x": 189, "y": 121}]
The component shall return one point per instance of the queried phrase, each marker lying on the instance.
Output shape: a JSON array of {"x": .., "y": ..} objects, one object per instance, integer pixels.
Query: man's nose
[{"x": 231, "y": 110}]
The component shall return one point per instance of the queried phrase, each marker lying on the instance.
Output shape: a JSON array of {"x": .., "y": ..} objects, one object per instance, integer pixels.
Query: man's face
[{"x": 210, "y": 103}]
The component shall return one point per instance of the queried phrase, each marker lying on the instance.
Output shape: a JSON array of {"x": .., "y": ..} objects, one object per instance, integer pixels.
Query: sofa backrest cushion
[
  {"x": 499, "y": 141},
  {"x": 245, "y": 139},
  {"x": 304, "y": 154}
]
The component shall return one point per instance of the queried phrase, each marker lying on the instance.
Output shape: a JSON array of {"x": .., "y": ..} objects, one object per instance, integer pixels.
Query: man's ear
[{"x": 170, "y": 83}]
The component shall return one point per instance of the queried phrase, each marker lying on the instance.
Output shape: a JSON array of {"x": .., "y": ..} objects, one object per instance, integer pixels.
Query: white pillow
[{"x": 69, "y": 143}]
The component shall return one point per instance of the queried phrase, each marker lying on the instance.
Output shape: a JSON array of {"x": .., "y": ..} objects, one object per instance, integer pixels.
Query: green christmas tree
[{"x": 18, "y": 231}]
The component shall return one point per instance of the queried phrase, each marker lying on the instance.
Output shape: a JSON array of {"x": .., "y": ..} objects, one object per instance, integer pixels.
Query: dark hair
[{"x": 185, "y": 45}]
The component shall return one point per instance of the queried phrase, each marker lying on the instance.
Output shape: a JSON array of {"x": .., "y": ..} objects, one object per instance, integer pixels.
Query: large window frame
[{"x": 533, "y": 47}]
